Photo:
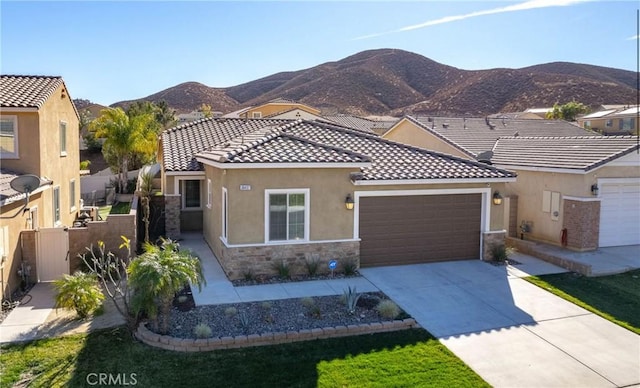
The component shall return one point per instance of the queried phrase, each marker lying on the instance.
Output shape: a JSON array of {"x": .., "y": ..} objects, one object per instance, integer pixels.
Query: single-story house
[
  {"x": 266, "y": 190},
  {"x": 557, "y": 164},
  {"x": 270, "y": 108},
  {"x": 613, "y": 121},
  {"x": 582, "y": 192}
]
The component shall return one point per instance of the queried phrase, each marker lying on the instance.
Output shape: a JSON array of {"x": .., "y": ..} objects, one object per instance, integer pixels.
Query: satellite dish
[{"x": 25, "y": 183}]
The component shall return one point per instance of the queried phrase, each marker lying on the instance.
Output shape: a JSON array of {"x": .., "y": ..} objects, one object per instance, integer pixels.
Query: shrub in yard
[
  {"x": 282, "y": 269},
  {"x": 499, "y": 253},
  {"x": 230, "y": 311},
  {"x": 80, "y": 292},
  {"x": 349, "y": 267},
  {"x": 307, "y": 301},
  {"x": 388, "y": 309},
  {"x": 266, "y": 305},
  {"x": 312, "y": 265},
  {"x": 248, "y": 275},
  {"x": 202, "y": 330}
]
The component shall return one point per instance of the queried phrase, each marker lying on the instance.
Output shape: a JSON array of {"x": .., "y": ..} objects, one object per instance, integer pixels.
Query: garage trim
[{"x": 485, "y": 217}]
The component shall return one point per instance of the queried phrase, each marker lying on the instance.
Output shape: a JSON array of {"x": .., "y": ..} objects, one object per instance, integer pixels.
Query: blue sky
[{"x": 111, "y": 51}]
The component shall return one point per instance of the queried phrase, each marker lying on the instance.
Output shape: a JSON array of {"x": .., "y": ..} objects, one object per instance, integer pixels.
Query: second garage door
[
  {"x": 620, "y": 214},
  {"x": 419, "y": 229}
]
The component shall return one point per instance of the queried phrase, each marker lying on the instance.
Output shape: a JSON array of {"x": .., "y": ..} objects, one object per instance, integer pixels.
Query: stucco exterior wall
[
  {"x": 271, "y": 108},
  {"x": 409, "y": 133},
  {"x": 530, "y": 186}
]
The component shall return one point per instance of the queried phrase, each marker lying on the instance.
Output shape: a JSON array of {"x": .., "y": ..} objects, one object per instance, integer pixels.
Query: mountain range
[{"x": 396, "y": 82}]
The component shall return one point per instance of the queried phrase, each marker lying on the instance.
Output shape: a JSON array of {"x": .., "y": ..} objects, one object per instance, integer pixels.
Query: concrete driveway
[{"x": 512, "y": 333}]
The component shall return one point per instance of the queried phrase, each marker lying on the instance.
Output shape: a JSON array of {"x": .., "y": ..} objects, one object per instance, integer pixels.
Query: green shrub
[
  {"x": 349, "y": 267},
  {"x": 248, "y": 275},
  {"x": 499, "y": 253},
  {"x": 388, "y": 309},
  {"x": 230, "y": 311},
  {"x": 282, "y": 269},
  {"x": 202, "y": 330},
  {"x": 80, "y": 292},
  {"x": 312, "y": 266},
  {"x": 307, "y": 301},
  {"x": 266, "y": 305}
]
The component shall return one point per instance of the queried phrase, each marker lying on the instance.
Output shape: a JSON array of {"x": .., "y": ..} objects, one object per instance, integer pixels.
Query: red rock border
[{"x": 207, "y": 344}]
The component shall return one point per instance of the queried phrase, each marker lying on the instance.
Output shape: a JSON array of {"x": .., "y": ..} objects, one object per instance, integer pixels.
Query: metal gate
[{"x": 52, "y": 255}]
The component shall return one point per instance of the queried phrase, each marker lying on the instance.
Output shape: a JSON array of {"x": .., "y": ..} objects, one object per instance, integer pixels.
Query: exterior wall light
[
  {"x": 497, "y": 198},
  {"x": 348, "y": 202},
  {"x": 594, "y": 189}
]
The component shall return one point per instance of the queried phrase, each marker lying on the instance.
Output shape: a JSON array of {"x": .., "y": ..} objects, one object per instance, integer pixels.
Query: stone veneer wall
[
  {"x": 259, "y": 260},
  {"x": 489, "y": 240},
  {"x": 172, "y": 205},
  {"x": 582, "y": 221}
]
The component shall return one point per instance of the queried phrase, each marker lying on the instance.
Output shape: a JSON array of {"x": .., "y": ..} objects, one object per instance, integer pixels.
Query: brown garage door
[{"x": 419, "y": 229}]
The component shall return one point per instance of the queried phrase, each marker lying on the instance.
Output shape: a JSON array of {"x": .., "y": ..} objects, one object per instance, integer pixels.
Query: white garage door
[{"x": 619, "y": 214}]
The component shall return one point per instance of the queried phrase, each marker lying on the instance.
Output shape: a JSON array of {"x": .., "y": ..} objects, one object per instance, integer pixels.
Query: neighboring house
[
  {"x": 295, "y": 113},
  {"x": 540, "y": 112},
  {"x": 583, "y": 190},
  {"x": 194, "y": 115},
  {"x": 613, "y": 121},
  {"x": 273, "y": 107},
  {"x": 39, "y": 136},
  {"x": 557, "y": 163},
  {"x": 372, "y": 126},
  {"x": 266, "y": 190},
  {"x": 471, "y": 137}
]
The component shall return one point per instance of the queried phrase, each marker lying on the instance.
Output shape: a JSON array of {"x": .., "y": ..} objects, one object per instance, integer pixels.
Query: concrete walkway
[
  {"x": 219, "y": 290},
  {"x": 512, "y": 333}
]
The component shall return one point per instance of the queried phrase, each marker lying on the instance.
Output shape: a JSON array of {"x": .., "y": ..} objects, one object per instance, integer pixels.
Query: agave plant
[
  {"x": 157, "y": 275},
  {"x": 351, "y": 299}
]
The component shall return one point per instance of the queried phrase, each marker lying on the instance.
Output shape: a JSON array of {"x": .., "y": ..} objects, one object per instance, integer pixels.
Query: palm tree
[
  {"x": 144, "y": 192},
  {"x": 157, "y": 275},
  {"x": 125, "y": 136}
]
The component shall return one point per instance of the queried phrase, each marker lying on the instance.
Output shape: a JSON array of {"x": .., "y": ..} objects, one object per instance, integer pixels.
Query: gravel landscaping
[{"x": 236, "y": 319}]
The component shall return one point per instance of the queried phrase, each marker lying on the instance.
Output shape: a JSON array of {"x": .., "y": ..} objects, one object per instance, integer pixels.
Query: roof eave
[
  {"x": 231, "y": 166},
  {"x": 387, "y": 182}
]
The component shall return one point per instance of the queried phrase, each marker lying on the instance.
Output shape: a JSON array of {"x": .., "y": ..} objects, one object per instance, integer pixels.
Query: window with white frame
[
  {"x": 72, "y": 195},
  {"x": 257, "y": 115},
  {"x": 56, "y": 205},
  {"x": 190, "y": 193},
  {"x": 9, "y": 137},
  {"x": 287, "y": 215},
  {"x": 63, "y": 138},
  {"x": 209, "y": 194},
  {"x": 225, "y": 213}
]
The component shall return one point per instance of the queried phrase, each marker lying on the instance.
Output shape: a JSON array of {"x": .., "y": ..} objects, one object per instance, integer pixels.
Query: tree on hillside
[
  {"x": 568, "y": 111},
  {"x": 125, "y": 138},
  {"x": 206, "y": 109},
  {"x": 165, "y": 115}
]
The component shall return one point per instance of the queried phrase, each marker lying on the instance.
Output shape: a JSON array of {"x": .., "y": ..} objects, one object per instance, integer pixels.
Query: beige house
[
  {"x": 612, "y": 121},
  {"x": 266, "y": 190},
  {"x": 574, "y": 187},
  {"x": 273, "y": 108},
  {"x": 39, "y": 136}
]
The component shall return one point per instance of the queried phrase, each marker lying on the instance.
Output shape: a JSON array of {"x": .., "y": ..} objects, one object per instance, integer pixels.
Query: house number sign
[{"x": 245, "y": 187}]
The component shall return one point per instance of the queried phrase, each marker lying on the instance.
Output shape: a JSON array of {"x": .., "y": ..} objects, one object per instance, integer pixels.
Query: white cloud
[
  {"x": 527, "y": 5},
  {"x": 635, "y": 37}
]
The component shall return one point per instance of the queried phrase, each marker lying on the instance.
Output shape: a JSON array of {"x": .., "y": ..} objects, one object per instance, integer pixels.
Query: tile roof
[
  {"x": 182, "y": 143},
  {"x": 7, "y": 193},
  {"x": 579, "y": 153},
  {"x": 395, "y": 161},
  {"x": 272, "y": 145},
  {"x": 361, "y": 123},
  {"x": 476, "y": 135},
  {"x": 18, "y": 91},
  {"x": 280, "y": 141}
]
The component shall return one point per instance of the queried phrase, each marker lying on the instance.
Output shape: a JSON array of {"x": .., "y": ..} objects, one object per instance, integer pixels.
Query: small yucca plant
[{"x": 80, "y": 292}]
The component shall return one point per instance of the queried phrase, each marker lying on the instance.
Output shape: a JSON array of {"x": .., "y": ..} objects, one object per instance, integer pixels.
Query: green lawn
[
  {"x": 408, "y": 358},
  {"x": 615, "y": 297},
  {"x": 118, "y": 208}
]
